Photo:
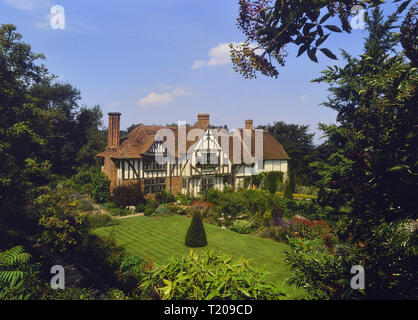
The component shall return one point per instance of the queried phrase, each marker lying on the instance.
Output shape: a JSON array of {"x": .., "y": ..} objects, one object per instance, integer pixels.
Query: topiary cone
[{"x": 196, "y": 235}]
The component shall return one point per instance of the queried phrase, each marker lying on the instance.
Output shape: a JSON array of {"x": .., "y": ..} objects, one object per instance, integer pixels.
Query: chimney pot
[
  {"x": 249, "y": 124},
  {"x": 113, "y": 139}
]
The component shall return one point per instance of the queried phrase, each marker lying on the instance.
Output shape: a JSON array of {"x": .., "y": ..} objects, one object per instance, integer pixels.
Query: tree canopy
[
  {"x": 374, "y": 167},
  {"x": 43, "y": 129},
  {"x": 298, "y": 143}
]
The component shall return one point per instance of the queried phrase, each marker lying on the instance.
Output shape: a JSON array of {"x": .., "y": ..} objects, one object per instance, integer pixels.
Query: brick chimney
[
  {"x": 249, "y": 124},
  {"x": 202, "y": 120},
  {"x": 113, "y": 139}
]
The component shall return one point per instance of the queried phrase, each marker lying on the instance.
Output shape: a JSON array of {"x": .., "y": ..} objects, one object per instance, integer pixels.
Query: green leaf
[
  {"x": 325, "y": 18},
  {"x": 328, "y": 53},
  {"x": 312, "y": 55},
  {"x": 322, "y": 39},
  {"x": 333, "y": 28},
  {"x": 403, "y": 6},
  {"x": 302, "y": 49}
]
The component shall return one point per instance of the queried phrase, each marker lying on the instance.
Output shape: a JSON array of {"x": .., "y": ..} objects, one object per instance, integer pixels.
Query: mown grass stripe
[{"x": 160, "y": 238}]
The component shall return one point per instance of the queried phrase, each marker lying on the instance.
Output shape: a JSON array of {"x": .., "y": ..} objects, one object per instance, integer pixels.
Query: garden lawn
[{"x": 159, "y": 238}]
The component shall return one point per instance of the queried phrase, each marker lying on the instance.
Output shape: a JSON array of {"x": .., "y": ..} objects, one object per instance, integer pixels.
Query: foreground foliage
[
  {"x": 208, "y": 276},
  {"x": 371, "y": 176},
  {"x": 275, "y": 24},
  {"x": 391, "y": 275},
  {"x": 15, "y": 266}
]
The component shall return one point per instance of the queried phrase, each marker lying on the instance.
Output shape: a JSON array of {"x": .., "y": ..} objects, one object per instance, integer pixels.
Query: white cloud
[
  {"x": 26, "y": 5},
  {"x": 154, "y": 98},
  {"x": 219, "y": 55},
  {"x": 182, "y": 92},
  {"x": 198, "y": 64},
  {"x": 302, "y": 99}
]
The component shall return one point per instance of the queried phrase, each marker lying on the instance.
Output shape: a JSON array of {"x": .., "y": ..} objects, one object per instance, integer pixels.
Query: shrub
[
  {"x": 231, "y": 206},
  {"x": 101, "y": 256},
  {"x": 269, "y": 181},
  {"x": 72, "y": 294},
  {"x": 63, "y": 223},
  {"x": 200, "y": 206},
  {"x": 266, "y": 218},
  {"x": 131, "y": 272},
  {"x": 128, "y": 195},
  {"x": 140, "y": 207},
  {"x": 100, "y": 188},
  {"x": 273, "y": 180},
  {"x": 177, "y": 208},
  {"x": 83, "y": 176},
  {"x": 119, "y": 212},
  {"x": 91, "y": 181},
  {"x": 279, "y": 233},
  {"x": 114, "y": 210},
  {"x": 265, "y": 233},
  {"x": 210, "y": 276},
  {"x": 115, "y": 294},
  {"x": 311, "y": 229},
  {"x": 257, "y": 179},
  {"x": 276, "y": 216},
  {"x": 150, "y": 207},
  {"x": 242, "y": 226},
  {"x": 109, "y": 205},
  {"x": 86, "y": 205},
  {"x": 16, "y": 272},
  {"x": 132, "y": 264},
  {"x": 99, "y": 220},
  {"x": 196, "y": 234},
  {"x": 213, "y": 195},
  {"x": 184, "y": 199},
  {"x": 163, "y": 210},
  {"x": 292, "y": 181},
  {"x": 288, "y": 191},
  {"x": 388, "y": 276},
  {"x": 164, "y": 197}
]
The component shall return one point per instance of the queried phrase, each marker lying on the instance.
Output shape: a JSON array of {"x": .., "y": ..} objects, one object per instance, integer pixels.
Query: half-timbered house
[{"x": 189, "y": 159}]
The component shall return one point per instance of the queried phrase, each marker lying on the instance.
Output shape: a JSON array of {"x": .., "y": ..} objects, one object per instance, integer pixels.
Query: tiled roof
[{"x": 141, "y": 138}]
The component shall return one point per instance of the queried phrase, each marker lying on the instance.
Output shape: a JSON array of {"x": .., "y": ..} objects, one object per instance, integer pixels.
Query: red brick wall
[
  {"x": 110, "y": 170},
  {"x": 175, "y": 185}
]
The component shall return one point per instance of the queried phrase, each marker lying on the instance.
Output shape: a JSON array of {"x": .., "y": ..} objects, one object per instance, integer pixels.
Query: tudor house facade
[{"x": 206, "y": 162}]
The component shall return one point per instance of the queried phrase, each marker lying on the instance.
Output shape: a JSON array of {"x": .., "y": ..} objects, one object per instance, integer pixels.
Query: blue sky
[{"x": 161, "y": 61}]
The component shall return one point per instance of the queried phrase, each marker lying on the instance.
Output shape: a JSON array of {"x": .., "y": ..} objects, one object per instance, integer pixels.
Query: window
[
  {"x": 150, "y": 164},
  {"x": 206, "y": 184},
  {"x": 154, "y": 185},
  {"x": 184, "y": 183},
  {"x": 208, "y": 160}
]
